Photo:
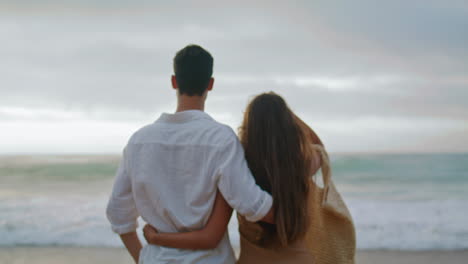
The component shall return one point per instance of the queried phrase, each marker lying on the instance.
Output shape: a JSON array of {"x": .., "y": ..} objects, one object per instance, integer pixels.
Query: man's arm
[
  {"x": 133, "y": 244},
  {"x": 121, "y": 210},
  {"x": 237, "y": 185},
  {"x": 269, "y": 217}
]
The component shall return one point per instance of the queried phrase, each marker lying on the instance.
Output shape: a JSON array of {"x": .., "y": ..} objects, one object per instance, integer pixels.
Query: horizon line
[{"x": 10, "y": 154}]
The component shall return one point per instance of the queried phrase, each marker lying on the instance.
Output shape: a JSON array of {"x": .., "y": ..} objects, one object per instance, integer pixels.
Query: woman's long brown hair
[{"x": 278, "y": 153}]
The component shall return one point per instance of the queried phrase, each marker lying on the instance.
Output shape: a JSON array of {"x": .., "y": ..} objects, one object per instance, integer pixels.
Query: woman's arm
[
  {"x": 314, "y": 139},
  {"x": 206, "y": 238},
  {"x": 309, "y": 132}
]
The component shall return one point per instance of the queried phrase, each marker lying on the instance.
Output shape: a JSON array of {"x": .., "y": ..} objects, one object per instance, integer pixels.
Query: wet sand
[{"x": 75, "y": 255}]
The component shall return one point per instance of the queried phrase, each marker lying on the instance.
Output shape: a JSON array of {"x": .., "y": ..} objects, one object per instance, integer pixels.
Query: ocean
[{"x": 398, "y": 201}]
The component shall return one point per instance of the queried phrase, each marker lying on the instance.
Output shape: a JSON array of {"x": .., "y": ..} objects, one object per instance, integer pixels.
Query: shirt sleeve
[
  {"x": 237, "y": 185},
  {"x": 121, "y": 209}
]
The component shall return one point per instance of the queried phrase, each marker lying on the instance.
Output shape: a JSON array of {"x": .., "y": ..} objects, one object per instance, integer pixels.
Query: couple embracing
[{"x": 185, "y": 173}]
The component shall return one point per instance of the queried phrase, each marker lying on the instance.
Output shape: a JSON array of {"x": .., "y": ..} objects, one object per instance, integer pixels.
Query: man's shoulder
[
  {"x": 217, "y": 132},
  {"x": 220, "y": 126},
  {"x": 142, "y": 132}
]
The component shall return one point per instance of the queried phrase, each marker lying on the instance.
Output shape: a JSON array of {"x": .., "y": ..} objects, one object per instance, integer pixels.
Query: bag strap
[{"x": 325, "y": 168}]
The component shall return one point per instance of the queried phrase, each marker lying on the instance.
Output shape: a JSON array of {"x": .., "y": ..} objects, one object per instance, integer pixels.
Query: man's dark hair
[{"x": 193, "y": 67}]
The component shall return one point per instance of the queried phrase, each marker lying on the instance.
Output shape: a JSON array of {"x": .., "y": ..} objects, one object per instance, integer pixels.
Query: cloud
[{"x": 84, "y": 60}]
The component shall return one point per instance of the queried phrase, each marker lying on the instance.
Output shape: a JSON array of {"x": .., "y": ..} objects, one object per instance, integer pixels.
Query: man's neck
[{"x": 185, "y": 103}]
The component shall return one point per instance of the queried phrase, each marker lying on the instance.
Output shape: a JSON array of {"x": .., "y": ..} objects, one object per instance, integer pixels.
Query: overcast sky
[{"x": 368, "y": 76}]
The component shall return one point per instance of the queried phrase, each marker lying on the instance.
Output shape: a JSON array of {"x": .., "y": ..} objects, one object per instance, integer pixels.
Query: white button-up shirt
[{"x": 169, "y": 174}]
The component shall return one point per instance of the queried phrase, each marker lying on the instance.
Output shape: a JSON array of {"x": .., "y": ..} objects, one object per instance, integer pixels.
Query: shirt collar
[{"x": 184, "y": 116}]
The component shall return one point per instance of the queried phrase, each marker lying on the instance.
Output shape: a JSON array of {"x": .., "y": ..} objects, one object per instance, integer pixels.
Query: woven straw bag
[{"x": 331, "y": 236}]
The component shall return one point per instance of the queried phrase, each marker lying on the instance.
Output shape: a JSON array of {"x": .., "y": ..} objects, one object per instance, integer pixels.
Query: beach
[
  {"x": 406, "y": 208},
  {"x": 383, "y": 85},
  {"x": 75, "y": 255}
]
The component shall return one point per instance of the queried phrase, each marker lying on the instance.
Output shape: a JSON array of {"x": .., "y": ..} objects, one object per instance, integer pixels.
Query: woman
[{"x": 279, "y": 151}]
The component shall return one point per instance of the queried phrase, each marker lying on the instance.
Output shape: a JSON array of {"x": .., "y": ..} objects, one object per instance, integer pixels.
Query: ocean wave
[{"x": 81, "y": 221}]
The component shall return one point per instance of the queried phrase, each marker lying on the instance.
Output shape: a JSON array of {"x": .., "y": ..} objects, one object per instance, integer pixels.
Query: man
[{"x": 172, "y": 169}]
